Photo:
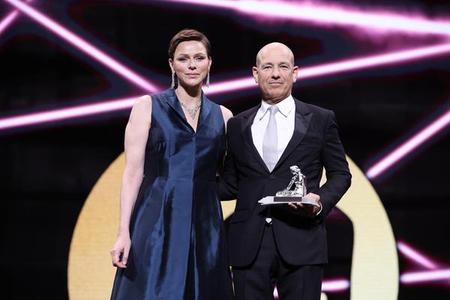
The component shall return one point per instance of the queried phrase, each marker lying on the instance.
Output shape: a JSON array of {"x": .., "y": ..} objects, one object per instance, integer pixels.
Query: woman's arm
[
  {"x": 227, "y": 114},
  {"x": 136, "y": 134},
  {"x": 226, "y": 184}
]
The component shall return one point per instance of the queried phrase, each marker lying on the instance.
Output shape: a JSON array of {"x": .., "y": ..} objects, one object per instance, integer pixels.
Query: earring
[
  {"x": 172, "y": 85},
  {"x": 207, "y": 80}
]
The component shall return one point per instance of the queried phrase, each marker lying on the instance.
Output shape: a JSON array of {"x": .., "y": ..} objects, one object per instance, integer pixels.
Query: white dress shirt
[
  {"x": 285, "y": 124},
  {"x": 285, "y": 128}
]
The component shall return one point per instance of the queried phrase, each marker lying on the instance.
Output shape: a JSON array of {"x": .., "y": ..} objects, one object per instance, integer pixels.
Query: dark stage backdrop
[{"x": 56, "y": 55}]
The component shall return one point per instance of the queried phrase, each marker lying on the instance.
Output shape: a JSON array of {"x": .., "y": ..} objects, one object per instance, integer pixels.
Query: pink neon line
[
  {"x": 375, "y": 60},
  {"x": 335, "y": 285},
  {"x": 341, "y": 66},
  {"x": 66, "y": 113},
  {"x": 425, "y": 276},
  {"x": 8, "y": 20},
  {"x": 314, "y": 71},
  {"x": 230, "y": 85},
  {"x": 83, "y": 45},
  {"x": 414, "y": 255},
  {"x": 331, "y": 15},
  {"x": 414, "y": 142},
  {"x": 307, "y": 72}
]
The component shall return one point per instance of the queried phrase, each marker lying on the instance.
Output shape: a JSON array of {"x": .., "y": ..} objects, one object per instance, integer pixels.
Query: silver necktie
[{"x": 270, "y": 141}]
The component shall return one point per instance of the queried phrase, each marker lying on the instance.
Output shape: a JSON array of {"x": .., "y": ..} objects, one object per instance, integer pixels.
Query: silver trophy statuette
[
  {"x": 296, "y": 188},
  {"x": 294, "y": 192}
]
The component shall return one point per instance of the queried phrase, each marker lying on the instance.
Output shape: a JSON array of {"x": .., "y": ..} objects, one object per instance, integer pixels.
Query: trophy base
[
  {"x": 287, "y": 199},
  {"x": 273, "y": 200}
]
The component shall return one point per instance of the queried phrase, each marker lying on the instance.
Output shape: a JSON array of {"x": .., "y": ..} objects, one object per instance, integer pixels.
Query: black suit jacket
[{"x": 314, "y": 145}]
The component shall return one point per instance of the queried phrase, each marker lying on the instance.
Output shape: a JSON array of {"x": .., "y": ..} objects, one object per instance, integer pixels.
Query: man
[{"x": 282, "y": 245}]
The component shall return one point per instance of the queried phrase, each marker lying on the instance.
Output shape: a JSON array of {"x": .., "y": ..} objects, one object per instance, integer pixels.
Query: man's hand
[{"x": 306, "y": 209}]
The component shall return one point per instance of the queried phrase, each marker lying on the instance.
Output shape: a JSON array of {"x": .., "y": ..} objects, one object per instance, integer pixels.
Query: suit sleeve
[
  {"x": 228, "y": 179},
  {"x": 336, "y": 167}
]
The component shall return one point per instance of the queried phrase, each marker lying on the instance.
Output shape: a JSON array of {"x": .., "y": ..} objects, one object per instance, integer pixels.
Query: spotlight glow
[
  {"x": 403, "y": 150},
  {"x": 84, "y": 46},
  {"x": 425, "y": 276},
  {"x": 332, "y": 15},
  {"x": 66, "y": 113},
  {"x": 416, "y": 256}
]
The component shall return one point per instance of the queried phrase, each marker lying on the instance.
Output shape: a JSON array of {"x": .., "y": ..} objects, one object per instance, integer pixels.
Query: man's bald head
[
  {"x": 275, "y": 72},
  {"x": 277, "y": 47}
]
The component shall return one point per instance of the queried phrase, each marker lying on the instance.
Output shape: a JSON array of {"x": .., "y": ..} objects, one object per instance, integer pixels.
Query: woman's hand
[{"x": 120, "y": 251}]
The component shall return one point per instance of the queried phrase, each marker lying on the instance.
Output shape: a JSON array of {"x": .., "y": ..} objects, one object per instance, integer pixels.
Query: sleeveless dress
[{"x": 177, "y": 240}]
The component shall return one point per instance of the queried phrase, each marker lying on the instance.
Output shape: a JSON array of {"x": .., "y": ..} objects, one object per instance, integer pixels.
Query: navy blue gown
[{"x": 177, "y": 241}]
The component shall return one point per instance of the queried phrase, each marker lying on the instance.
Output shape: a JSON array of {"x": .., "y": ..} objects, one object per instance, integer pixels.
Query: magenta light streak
[
  {"x": 83, "y": 45},
  {"x": 230, "y": 86},
  {"x": 66, "y": 113},
  {"x": 335, "y": 285},
  {"x": 425, "y": 276},
  {"x": 425, "y": 134},
  {"x": 341, "y": 66},
  {"x": 332, "y": 15},
  {"x": 307, "y": 72},
  {"x": 8, "y": 20},
  {"x": 375, "y": 60},
  {"x": 414, "y": 255}
]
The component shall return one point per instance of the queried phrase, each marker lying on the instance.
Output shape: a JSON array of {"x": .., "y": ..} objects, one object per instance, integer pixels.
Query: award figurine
[{"x": 294, "y": 192}]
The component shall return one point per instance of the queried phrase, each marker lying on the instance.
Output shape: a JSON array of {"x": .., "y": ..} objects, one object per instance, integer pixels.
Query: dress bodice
[{"x": 174, "y": 149}]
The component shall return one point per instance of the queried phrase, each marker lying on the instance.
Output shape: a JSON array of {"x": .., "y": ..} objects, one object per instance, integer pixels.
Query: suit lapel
[
  {"x": 248, "y": 139},
  {"x": 302, "y": 120}
]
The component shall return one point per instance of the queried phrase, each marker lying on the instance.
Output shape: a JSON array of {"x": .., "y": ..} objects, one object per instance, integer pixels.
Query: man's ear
[
  {"x": 255, "y": 73},
  {"x": 295, "y": 74}
]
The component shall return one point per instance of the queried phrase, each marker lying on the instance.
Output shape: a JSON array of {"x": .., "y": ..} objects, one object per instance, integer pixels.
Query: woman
[{"x": 170, "y": 243}]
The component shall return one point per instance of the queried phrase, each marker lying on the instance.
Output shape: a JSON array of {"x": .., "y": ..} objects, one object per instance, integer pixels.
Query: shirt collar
[{"x": 285, "y": 107}]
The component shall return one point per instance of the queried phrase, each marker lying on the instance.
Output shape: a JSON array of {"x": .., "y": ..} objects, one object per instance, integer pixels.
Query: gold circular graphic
[{"x": 374, "y": 272}]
